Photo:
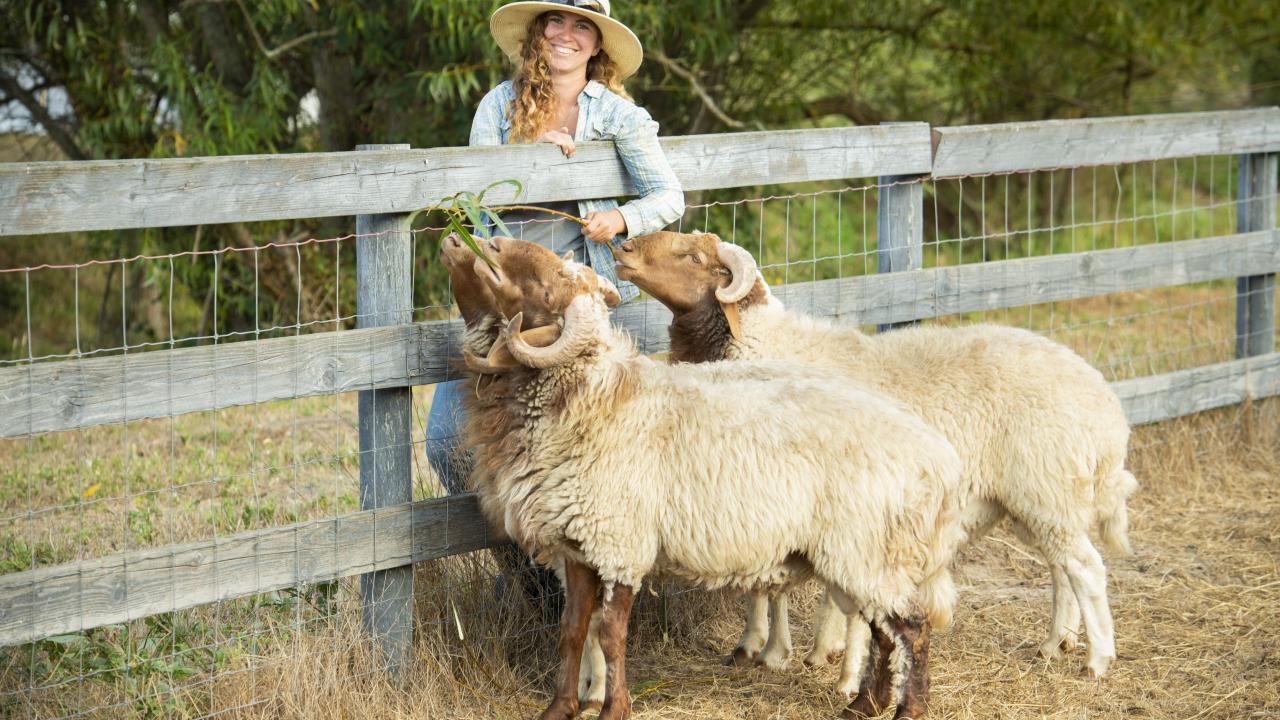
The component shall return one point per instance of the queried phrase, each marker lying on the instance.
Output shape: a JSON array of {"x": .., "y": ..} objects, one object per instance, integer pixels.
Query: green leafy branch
[{"x": 468, "y": 207}]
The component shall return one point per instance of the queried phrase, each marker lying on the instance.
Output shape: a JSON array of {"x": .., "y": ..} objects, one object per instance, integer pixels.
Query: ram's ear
[
  {"x": 500, "y": 357},
  {"x": 734, "y": 316},
  {"x": 541, "y": 336},
  {"x": 499, "y": 360},
  {"x": 478, "y": 365}
]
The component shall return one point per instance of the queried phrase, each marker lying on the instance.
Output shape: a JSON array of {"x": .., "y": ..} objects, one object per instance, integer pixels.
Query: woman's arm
[{"x": 660, "y": 198}]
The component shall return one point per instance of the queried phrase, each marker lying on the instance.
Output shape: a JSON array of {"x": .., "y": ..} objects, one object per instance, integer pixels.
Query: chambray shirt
[{"x": 604, "y": 115}]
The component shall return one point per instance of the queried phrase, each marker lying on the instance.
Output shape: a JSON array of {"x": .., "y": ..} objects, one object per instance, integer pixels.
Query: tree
[{"x": 160, "y": 78}]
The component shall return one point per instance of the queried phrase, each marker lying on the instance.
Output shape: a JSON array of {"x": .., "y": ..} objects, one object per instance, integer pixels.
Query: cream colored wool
[
  {"x": 735, "y": 474},
  {"x": 1041, "y": 435}
]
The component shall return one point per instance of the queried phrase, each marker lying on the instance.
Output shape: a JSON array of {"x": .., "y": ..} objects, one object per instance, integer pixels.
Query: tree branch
[
  {"x": 675, "y": 67},
  {"x": 287, "y": 46},
  {"x": 57, "y": 131}
]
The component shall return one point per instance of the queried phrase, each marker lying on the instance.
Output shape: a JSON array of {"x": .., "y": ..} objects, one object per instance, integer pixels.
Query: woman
[{"x": 571, "y": 58}]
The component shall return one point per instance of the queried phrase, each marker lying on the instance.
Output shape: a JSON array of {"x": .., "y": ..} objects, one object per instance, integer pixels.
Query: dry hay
[{"x": 1195, "y": 609}]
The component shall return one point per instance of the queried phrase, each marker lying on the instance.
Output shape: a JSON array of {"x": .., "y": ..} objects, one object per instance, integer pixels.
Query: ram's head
[
  {"x": 686, "y": 270},
  {"x": 539, "y": 289},
  {"x": 471, "y": 294}
]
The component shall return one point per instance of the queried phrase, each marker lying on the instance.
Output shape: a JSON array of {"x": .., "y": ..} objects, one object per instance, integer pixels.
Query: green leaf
[{"x": 468, "y": 239}]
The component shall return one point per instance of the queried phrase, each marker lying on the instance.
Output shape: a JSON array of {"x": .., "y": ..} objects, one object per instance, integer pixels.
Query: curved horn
[
  {"x": 579, "y": 328},
  {"x": 743, "y": 268},
  {"x": 611, "y": 295}
]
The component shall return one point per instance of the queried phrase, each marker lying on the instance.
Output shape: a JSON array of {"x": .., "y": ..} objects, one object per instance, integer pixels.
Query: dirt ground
[{"x": 1195, "y": 609}]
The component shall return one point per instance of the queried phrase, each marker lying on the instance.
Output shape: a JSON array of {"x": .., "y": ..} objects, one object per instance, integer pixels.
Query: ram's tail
[
  {"x": 937, "y": 591},
  {"x": 937, "y": 597},
  {"x": 1113, "y": 512}
]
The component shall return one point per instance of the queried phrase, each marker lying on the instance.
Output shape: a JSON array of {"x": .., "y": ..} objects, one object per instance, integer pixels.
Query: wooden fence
[{"x": 387, "y": 354}]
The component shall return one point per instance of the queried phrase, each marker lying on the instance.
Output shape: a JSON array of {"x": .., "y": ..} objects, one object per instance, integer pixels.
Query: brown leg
[
  {"x": 877, "y": 682},
  {"x": 913, "y": 636},
  {"x": 613, "y": 643},
  {"x": 580, "y": 599}
]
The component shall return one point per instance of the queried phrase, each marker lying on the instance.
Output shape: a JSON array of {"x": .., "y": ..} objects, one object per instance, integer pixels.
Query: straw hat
[{"x": 510, "y": 25}]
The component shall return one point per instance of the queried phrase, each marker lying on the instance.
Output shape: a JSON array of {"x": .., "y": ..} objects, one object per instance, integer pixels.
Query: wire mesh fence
[{"x": 273, "y": 455}]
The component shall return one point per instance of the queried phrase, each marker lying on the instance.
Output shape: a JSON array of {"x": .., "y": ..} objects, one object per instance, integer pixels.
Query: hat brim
[{"x": 510, "y": 25}]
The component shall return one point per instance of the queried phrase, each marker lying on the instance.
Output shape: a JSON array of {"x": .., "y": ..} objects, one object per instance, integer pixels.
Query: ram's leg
[
  {"x": 613, "y": 642},
  {"x": 1064, "y": 625},
  {"x": 591, "y": 676},
  {"x": 582, "y": 584},
  {"x": 1064, "y": 620},
  {"x": 829, "y": 631},
  {"x": 754, "y": 634},
  {"x": 875, "y": 693},
  {"x": 1089, "y": 582},
  {"x": 910, "y": 665},
  {"x": 857, "y": 646},
  {"x": 778, "y": 650}
]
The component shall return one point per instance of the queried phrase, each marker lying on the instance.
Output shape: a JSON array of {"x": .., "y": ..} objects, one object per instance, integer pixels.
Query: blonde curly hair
[{"x": 531, "y": 108}]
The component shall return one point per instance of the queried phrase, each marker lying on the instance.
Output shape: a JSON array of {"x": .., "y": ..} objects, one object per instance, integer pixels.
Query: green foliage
[
  {"x": 163, "y": 78},
  {"x": 466, "y": 207},
  {"x": 147, "y": 660}
]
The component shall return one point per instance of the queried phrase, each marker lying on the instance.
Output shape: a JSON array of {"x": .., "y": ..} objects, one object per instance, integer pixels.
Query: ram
[
  {"x": 483, "y": 322},
  {"x": 749, "y": 475},
  {"x": 1042, "y": 437}
]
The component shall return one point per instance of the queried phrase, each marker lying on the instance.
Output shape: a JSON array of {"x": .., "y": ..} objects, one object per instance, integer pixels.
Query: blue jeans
[{"x": 450, "y": 461}]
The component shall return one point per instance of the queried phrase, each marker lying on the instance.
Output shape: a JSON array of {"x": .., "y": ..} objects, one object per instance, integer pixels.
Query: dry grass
[
  {"x": 1194, "y": 604},
  {"x": 1195, "y": 608}
]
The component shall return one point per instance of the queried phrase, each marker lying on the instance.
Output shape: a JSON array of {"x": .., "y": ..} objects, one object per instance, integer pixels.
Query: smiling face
[{"x": 571, "y": 41}]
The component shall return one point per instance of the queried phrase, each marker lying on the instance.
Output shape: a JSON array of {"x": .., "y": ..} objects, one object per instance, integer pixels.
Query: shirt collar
[{"x": 594, "y": 89}]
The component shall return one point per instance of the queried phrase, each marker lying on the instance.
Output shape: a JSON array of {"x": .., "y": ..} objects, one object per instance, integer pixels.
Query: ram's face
[
  {"x": 471, "y": 294},
  {"x": 528, "y": 278},
  {"x": 680, "y": 270}
]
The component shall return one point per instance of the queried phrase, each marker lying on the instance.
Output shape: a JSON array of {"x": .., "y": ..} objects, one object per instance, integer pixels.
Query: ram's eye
[
  {"x": 546, "y": 296},
  {"x": 696, "y": 258}
]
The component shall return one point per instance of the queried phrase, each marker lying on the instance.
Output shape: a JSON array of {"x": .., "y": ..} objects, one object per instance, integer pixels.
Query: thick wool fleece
[
  {"x": 737, "y": 474},
  {"x": 1041, "y": 434}
]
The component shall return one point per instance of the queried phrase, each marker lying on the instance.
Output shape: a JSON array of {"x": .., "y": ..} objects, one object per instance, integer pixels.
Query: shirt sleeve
[
  {"x": 660, "y": 199},
  {"x": 486, "y": 129},
  {"x": 486, "y": 126}
]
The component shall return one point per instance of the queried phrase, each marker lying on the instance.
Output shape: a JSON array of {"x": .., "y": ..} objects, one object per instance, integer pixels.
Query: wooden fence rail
[
  {"x": 77, "y": 596},
  {"x": 383, "y": 186},
  {"x": 79, "y": 393}
]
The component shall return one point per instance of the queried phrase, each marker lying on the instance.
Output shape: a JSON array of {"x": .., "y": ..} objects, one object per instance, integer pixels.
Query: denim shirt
[{"x": 604, "y": 115}]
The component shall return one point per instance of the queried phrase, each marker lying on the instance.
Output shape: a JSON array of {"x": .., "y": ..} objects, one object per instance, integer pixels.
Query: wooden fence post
[
  {"x": 1256, "y": 295},
  {"x": 384, "y": 296},
  {"x": 899, "y": 228}
]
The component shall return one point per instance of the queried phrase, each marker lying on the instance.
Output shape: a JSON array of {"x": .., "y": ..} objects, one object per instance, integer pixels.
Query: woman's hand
[
  {"x": 560, "y": 138},
  {"x": 602, "y": 226}
]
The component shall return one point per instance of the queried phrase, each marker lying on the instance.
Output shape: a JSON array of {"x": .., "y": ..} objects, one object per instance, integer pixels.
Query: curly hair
[{"x": 531, "y": 108}]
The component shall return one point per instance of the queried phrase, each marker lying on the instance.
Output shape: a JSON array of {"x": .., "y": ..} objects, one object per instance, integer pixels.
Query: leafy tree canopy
[
  {"x": 152, "y": 78},
  {"x": 107, "y": 79}
]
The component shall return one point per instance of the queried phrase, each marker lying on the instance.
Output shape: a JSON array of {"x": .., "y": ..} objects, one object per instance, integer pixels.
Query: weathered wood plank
[
  {"x": 384, "y": 297},
  {"x": 49, "y": 197},
  {"x": 126, "y": 586},
  {"x": 84, "y": 392},
  {"x": 1161, "y": 397},
  {"x": 77, "y": 596},
  {"x": 935, "y": 292},
  {"x": 1011, "y": 147},
  {"x": 71, "y": 394},
  {"x": 1256, "y": 293},
  {"x": 899, "y": 228}
]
